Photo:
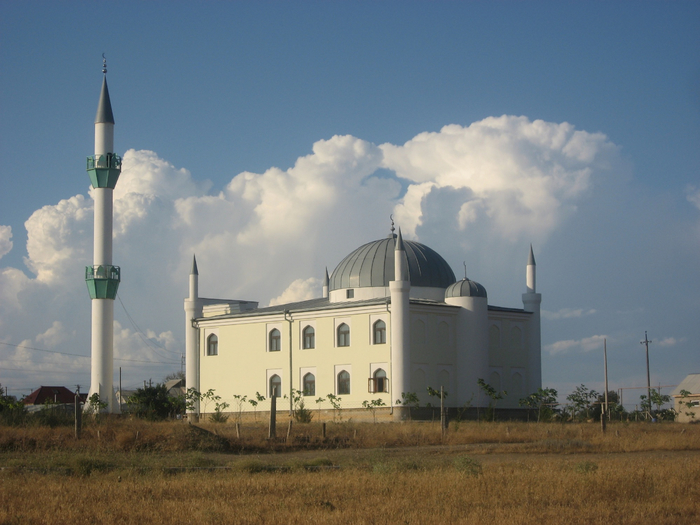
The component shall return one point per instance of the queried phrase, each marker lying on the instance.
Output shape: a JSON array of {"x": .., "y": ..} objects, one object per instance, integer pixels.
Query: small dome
[
  {"x": 465, "y": 288},
  {"x": 373, "y": 265}
]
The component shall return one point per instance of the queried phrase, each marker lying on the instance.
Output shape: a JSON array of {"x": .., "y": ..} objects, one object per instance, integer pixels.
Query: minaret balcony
[
  {"x": 102, "y": 281},
  {"x": 104, "y": 170}
]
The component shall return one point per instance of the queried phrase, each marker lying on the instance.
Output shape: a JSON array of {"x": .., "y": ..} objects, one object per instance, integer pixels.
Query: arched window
[
  {"x": 516, "y": 338},
  {"x": 212, "y": 345},
  {"x": 379, "y": 332},
  {"x": 495, "y": 381},
  {"x": 309, "y": 337},
  {"x": 309, "y": 384},
  {"x": 444, "y": 379},
  {"x": 343, "y": 383},
  {"x": 275, "y": 386},
  {"x": 378, "y": 382},
  {"x": 275, "y": 340},
  {"x": 517, "y": 382},
  {"x": 343, "y": 335}
]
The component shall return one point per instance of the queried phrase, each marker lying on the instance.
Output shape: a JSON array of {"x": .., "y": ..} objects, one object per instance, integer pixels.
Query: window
[
  {"x": 343, "y": 383},
  {"x": 378, "y": 382},
  {"x": 379, "y": 332},
  {"x": 275, "y": 386},
  {"x": 343, "y": 335},
  {"x": 349, "y": 294},
  {"x": 212, "y": 345},
  {"x": 275, "y": 340},
  {"x": 309, "y": 384},
  {"x": 309, "y": 337}
]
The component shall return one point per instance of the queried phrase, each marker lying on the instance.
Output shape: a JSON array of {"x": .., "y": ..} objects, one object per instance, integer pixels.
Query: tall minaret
[
  {"x": 193, "y": 310},
  {"x": 102, "y": 278},
  {"x": 400, "y": 289},
  {"x": 531, "y": 303}
]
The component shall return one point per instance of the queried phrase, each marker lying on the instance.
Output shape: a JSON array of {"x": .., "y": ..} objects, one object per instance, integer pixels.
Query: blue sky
[{"x": 218, "y": 89}]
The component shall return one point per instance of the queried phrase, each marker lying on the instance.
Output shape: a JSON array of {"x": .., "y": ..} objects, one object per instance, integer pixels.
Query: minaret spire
[{"x": 326, "y": 284}]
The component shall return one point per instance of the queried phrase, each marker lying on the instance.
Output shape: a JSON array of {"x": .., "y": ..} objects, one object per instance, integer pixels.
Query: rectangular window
[{"x": 349, "y": 294}]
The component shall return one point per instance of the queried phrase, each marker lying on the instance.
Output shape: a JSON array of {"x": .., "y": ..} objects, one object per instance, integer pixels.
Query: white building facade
[{"x": 392, "y": 319}]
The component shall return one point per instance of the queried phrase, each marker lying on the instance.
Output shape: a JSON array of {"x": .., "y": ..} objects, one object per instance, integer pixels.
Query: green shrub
[{"x": 468, "y": 466}]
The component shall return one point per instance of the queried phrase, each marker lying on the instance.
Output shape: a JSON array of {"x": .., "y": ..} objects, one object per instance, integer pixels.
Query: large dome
[{"x": 373, "y": 265}]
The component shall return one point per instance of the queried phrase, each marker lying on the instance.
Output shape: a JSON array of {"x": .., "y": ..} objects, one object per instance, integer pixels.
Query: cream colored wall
[
  {"x": 242, "y": 362},
  {"x": 508, "y": 356},
  {"x": 433, "y": 354}
]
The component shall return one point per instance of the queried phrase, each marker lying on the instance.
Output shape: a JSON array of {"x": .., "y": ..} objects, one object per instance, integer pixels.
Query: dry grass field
[{"x": 137, "y": 472}]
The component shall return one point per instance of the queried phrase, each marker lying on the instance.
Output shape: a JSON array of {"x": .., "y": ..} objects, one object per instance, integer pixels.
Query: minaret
[
  {"x": 531, "y": 303},
  {"x": 193, "y": 310},
  {"x": 326, "y": 281},
  {"x": 104, "y": 168},
  {"x": 400, "y": 289}
]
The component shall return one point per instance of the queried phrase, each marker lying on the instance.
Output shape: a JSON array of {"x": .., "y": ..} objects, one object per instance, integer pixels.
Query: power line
[
  {"x": 88, "y": 357},
  {"x": 144, "y": 337}
]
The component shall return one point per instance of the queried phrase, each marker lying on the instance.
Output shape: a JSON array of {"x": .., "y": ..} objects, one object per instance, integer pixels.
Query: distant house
[
  {"x": 688, "y": 407},
  {"x": 50, "y": 394},
  {"x": 176, "y": 387}
]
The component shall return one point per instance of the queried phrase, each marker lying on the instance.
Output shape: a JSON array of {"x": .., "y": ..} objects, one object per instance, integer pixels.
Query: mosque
[{"x": 392, "y": 319}]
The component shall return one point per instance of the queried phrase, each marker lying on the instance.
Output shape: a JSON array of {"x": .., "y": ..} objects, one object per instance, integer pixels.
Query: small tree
[
  {"x": 335, "y": 403},
  {"x": 219, "y": 415},
  {"x": 95, "y": 405},
  {"x": 493, "y": 395},
  {"x": 153, "y": 403},
  {"x": 582, "y": 401},
  {"x": 685, "y": 404},
  {"x": 300, "y": 413},
  {"x": 259, "y": 398},
  {"x": 543, "y": 401},
  {"x": 410, "y": 400},
  {"x": 12, "y": 411},
  {"x": 372, "y": 406},
  {"x": 239, "y": 401}
]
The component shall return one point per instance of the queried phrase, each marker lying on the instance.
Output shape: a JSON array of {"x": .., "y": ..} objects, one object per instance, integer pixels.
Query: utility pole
[
  {"x": 605, "y": 359},
  {"x": 646, "y": 344}
]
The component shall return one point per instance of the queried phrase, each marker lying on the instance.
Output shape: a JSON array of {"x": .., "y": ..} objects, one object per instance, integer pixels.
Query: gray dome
[
  {"x": 465, "y": 288},
  {"x": 373, "y": 265}
]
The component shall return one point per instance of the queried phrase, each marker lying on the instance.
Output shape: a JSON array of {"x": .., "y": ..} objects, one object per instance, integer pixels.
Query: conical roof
[{"x": 104, "y": 106}]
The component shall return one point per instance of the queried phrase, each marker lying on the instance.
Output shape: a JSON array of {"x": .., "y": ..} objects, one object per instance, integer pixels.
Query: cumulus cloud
[
  {"x": 299, "y": 290},
  {"x": 586, "y": 344},
  {"x": 268, "y": 236},
  {"x": 5, "y": 240},
  {"x": 523, "y": 176},
  {"x": 567, "y": 313}
]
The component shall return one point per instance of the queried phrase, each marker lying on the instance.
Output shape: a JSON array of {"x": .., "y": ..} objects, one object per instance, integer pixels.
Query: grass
[{"x": 363, "y": 473}]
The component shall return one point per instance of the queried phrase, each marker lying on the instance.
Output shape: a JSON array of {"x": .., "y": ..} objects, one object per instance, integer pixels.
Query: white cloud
[
  {"x": 501, "y": 179},
  {"x": 567, "y": 313},
  {"x": 52, "y": 337},
  {"x": 299, "y": 290},
  {"x": 671, "y": 341},
  {"x": 523, "y": 176},
  {"x": 586, "y": 344},
  {"x": 693, "y": 195},
  {"x": 5, "y": 240}
]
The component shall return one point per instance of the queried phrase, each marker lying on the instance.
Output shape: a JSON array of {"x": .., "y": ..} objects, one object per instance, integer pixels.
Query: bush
[{"x": 468, "y": 466}]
